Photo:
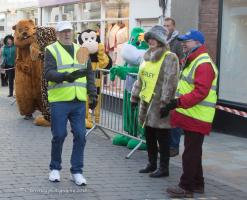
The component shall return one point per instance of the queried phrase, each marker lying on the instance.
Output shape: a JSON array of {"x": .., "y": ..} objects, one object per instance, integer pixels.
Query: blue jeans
[
  {"x": 175, "y": 137},
  {"x": 61, "y": 112}
]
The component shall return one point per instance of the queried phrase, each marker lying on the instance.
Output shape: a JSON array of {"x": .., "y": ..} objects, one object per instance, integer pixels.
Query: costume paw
[
  {"x": 35, "y": 52},
  {"x": 89, "y": 124},
  {"x": 41, "y": 121}
]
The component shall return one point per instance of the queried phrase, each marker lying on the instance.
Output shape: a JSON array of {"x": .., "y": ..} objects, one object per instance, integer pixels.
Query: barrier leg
[
  {"x": 95, "y": 126},
  {"x": 12, "y": 103},
  {"x": 133, "y": 150},
  {"x": 90, "y": 130},
  {"x": 103, "y": 131}
]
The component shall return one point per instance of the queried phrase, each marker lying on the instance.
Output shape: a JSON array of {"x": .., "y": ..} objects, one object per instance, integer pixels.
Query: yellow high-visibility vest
[
  {"x": 149, "y": 73},
  {"x": 66, "y": 91},
  {"x": 205, "y": 110}
]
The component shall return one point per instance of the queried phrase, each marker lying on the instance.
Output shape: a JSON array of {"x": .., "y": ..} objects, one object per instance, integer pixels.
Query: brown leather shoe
[{"x": 178, "y": 192}]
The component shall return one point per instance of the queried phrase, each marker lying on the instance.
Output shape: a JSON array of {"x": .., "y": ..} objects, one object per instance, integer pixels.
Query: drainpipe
[{"x": 165, "y": 5}]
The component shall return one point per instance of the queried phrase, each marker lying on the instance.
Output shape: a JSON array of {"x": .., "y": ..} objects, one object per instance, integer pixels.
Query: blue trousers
[
  {"x": 175, "y": 137},
  {"x": 61, "y": 113}
]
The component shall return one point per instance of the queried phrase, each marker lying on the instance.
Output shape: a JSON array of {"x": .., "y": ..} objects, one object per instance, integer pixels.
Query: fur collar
[{"x": 154, "y": 56}]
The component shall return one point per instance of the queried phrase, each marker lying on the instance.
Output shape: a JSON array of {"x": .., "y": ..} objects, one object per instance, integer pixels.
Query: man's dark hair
[{"x": 171, "y": 19}]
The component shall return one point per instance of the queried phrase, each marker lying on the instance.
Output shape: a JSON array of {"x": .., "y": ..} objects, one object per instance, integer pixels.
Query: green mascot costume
[{"x": 132, "y": 53}]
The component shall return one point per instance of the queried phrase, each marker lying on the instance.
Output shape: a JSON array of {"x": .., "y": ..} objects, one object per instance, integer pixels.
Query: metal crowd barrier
[{"x": 111, "y": 109}]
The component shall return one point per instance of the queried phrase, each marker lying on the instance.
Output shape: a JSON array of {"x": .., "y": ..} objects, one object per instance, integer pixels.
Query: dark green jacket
[{"x": 9, "y": 55}]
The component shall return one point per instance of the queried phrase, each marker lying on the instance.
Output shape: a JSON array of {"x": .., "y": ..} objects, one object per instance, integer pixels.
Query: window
[
  {"x": 31, "y": 14},
  {"x": 117, "y": 9},
  {"x": 54, "y": 14},
  {"x": 91, "y": 10},
  {"x": 2, "y": 21},
  {"x": 68, "y": 12},
  {"x": 233, "y": 61}
]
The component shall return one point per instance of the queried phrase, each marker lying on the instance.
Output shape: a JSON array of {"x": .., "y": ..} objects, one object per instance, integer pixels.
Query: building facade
[
  {"x": 94, "y": 14},
  {"x": 224, "y": 23},
  {"x": 11, "y": 11}
]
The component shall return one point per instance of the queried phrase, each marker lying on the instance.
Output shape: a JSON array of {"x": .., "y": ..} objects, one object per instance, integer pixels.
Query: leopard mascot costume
[{"x": 44, "y": 37}]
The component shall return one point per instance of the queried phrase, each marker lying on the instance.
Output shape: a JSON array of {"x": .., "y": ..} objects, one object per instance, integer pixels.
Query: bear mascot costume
[
  {"x": 29, "y": 69},
  {"x": 90, "y": 39},
  {"x": 132, "y": 53}
]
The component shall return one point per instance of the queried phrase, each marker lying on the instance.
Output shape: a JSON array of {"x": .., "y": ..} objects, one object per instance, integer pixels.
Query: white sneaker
[
  {"x": 79, "y": 179},
  {"x": 54, "y": 176}
]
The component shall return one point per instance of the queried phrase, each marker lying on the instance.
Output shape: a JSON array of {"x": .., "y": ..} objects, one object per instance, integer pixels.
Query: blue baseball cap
[{"x": 192, "y": 34}]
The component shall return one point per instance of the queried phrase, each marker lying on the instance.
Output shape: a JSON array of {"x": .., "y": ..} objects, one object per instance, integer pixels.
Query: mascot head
[
  {"x": 45, "y": 36},
  {"x": 89, "y": 39},
  {"x": 24, "y": 33},
  {"x": 137, "y": 38}
]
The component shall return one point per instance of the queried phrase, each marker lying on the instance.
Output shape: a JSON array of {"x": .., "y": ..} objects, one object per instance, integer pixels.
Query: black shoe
[
  {"x": 159, "y": 173},
  {"x": 28, "y": 117},
  {"x": 199, "y": 190},
  {"x": 10, "y": 95},
  {"x": 174, "y": 152},
  {"x": 149, "y": 168}
]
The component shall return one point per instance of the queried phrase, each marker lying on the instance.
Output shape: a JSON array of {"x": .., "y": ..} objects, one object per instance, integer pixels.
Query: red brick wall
[{"x": 208, "y": 24}]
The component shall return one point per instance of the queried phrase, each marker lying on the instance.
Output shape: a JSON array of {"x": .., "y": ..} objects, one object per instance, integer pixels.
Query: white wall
[
  {"x": 17, "y": 4},
  {"x": 185, "y": 13},
  {"x": 143, "y": 9}
]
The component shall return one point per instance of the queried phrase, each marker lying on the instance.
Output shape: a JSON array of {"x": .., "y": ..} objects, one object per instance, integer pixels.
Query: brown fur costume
[{"x": 28, "y": 72}]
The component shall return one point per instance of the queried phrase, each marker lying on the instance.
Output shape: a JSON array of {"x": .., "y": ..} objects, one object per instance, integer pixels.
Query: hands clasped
[{"x": 71, "y": 77}]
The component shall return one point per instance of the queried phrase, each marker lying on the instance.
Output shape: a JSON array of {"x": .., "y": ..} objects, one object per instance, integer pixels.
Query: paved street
[{"x": 25, "y": 156}]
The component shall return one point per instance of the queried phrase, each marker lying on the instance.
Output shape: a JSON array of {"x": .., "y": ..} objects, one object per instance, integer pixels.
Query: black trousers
[
  {"x": 4, "y": 79},
  {"x": 162, "y": 136},
  {"x": 192, "y": 176},
  {"x": 11, "y": 76}
]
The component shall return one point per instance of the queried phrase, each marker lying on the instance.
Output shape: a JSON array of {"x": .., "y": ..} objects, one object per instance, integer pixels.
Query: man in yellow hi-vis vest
[
  {"x": 70, "y": 80},
  {"x": 195, "y": 108}
]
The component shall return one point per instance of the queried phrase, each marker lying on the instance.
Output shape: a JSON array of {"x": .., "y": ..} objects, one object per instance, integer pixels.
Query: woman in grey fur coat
[{"x": 155, "y": 87}]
